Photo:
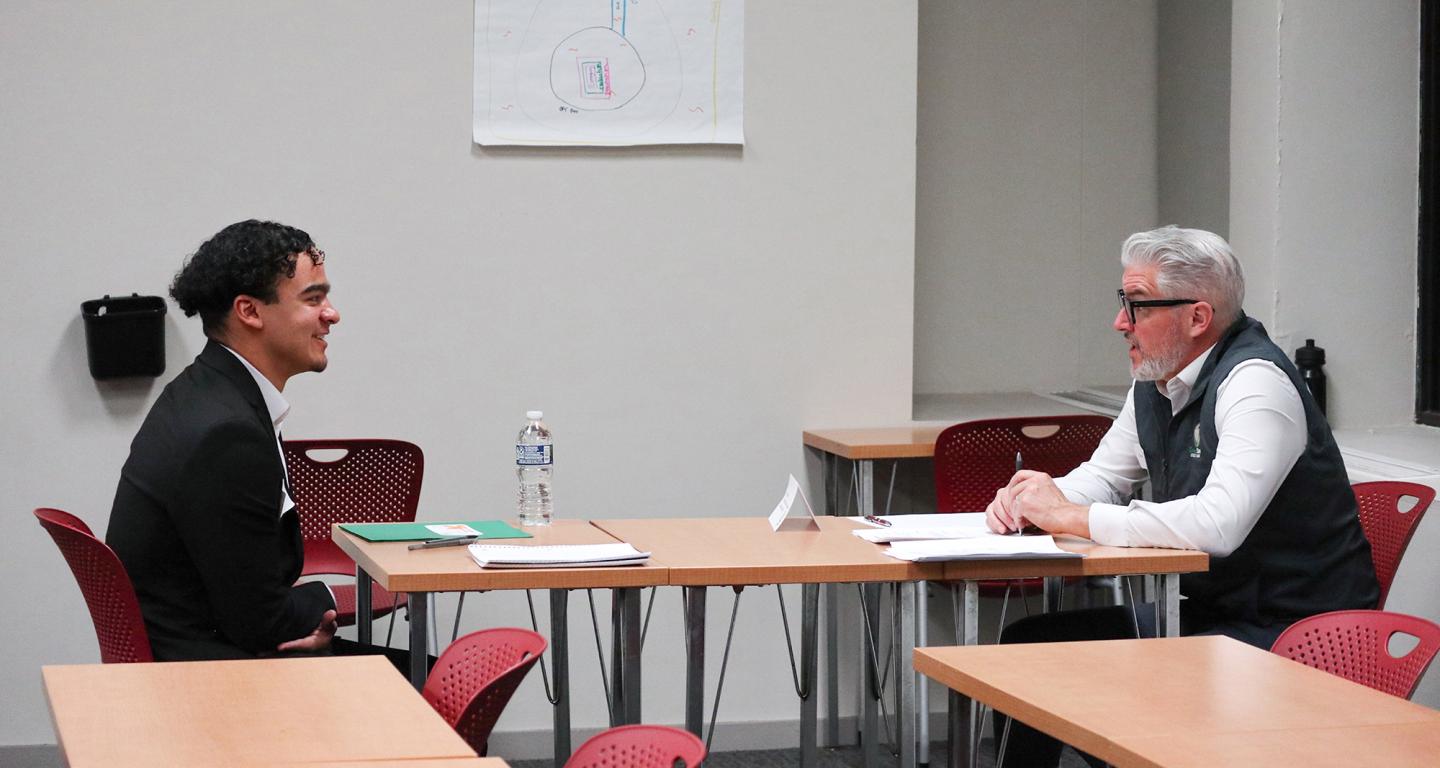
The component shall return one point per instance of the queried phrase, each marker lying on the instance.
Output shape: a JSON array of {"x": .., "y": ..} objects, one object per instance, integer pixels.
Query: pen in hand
[
  {"x": 433, "y": 544},
  {"x": 1019, "y": 465}
]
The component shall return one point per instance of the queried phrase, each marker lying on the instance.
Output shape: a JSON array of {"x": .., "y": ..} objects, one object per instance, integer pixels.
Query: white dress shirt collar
[
  {"x": 1177, "y": 389},
  {"x": 275, "y": 402}
]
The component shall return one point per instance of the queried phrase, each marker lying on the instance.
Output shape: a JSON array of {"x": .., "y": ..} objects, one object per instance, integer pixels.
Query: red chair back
[
  {"x": 1387, "y": 526},
  {"x": 974, "y": 458},
  {"x": 639, "y": 746},
  {"x": 475, "y": 677},
  {"x": 375, "y": 481},
  {"x": 1356, "y": 646},
  {"x": 114, "y": 609}
]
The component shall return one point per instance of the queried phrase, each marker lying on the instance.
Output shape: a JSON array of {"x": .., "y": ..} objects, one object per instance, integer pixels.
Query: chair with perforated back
[
  {"x": 639, "y": 746},
  {"x": 475, "y": 677},
  {"x": 372, "y": 481},
  {"x": 974, "y": 458},
  {"x": 114, "y": 609},
  {"x": 1356, "y": 646},
  {"x": 1389, "y": 520}
]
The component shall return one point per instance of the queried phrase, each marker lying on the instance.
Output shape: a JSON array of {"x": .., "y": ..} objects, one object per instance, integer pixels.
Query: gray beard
[{"x": 1161, "y": 365}]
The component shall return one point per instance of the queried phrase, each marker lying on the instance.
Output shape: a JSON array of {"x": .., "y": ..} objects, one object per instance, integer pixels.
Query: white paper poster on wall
[{"x": 609, "y": 72}]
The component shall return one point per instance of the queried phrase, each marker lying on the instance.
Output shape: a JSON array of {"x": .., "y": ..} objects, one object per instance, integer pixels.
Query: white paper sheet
[
  {"x": 991, "y": 546},
  {"x": 609, "y": 72},
  {"x": 556, "y": 555}
]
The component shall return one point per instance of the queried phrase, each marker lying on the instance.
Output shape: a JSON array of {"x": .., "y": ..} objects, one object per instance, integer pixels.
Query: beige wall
[
  {"x": 1037, "y": 139},
  {"x": 1325, "y": 151},
  {"x": 1193, "y": 110}
]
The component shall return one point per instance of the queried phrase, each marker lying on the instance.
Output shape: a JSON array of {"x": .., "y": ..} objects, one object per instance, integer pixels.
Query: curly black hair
[{"x": 246, "y": 258}]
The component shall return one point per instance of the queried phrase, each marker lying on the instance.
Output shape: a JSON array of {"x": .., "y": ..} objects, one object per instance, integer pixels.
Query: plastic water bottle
[{"x": 534, "y": 461}]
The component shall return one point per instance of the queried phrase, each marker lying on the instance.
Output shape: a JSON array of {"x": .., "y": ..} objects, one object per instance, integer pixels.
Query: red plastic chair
[
  {"x": 476, "y": 676},
  {"x": 639, "y": 746},
  {"x": 114, "y": 609},
  {"x": 974, "y": 458},
  {"x": 1356, "y": 646},
  {"x": 375, "y": 481},
  {"x": 1387, "y": 527}
]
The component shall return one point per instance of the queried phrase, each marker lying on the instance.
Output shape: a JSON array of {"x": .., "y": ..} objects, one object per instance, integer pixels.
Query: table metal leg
[
  {"x": 364, "y": 612},
  {"x": 957, "y": 730},
  {"x": 809, "y": 653},
  {"x": 1054, "y": 593},
  {"x": 419, "y": 607},
  {"x": 867, "y": 487},
  {"x": 560, "y": 660},
  {"x": 870, "y": 677},
  {"x": 695, "y": 660},
  {"x": 625, "y": 656},
  {"x": 1169, "y": 625},
  {"x": 922, "y": 689},
  {"x": 968, "y": 633},
  {"x": 905, "y": 675}
]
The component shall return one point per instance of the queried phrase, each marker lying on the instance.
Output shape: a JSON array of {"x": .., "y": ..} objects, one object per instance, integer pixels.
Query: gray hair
[{"x": 1192, "y": 264}]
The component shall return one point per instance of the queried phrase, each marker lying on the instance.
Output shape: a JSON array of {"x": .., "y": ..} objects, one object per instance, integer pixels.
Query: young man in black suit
[{"x": 202, "y": 518}]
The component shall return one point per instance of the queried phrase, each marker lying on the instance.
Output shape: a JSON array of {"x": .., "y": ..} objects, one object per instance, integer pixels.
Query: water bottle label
[{"x": 534, "y": 455}]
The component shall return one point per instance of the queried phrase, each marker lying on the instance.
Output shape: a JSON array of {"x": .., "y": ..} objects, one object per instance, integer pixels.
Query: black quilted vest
[{"x": 1307, "y": 554}]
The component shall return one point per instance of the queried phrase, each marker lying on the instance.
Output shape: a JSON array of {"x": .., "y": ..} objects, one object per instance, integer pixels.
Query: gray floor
[{"x": 839, "y": 757}]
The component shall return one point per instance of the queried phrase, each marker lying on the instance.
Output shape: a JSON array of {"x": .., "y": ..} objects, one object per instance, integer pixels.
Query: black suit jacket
[{"x": 197, "y": 521}]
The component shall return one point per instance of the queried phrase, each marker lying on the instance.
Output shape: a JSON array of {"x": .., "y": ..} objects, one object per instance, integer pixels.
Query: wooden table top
[
  {"x": 1392, "y": 745},
  {"x": 915, "y": 441},
  {"x": 253, "y": 712},
  {"x": 1146, "y": 702},
  {"x": 1099, "y": 560},
  {"x": 745, "y": 551},
  {"x": 450, "y": 569}
]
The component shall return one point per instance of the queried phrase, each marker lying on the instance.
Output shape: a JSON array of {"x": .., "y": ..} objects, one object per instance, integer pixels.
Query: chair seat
[{"x": 382, "y": 602}]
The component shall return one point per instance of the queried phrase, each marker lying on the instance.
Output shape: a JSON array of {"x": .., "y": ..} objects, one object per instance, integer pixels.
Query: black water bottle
[{"x": 1310, "y": 360}]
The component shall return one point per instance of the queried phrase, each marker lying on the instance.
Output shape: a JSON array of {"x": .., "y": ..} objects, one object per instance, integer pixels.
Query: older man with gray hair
[{"x": 1240, "y": 460}]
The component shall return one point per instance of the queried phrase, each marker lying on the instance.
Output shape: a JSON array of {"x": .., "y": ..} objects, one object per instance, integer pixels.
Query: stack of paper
[
  {"x": 962, "y": 525},
  {"x": 556, "y": 555},
  {"x": 990, "y": 546}
]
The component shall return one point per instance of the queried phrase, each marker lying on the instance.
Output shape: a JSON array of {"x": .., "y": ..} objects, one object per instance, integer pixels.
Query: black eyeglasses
[{"x": 1130, "y": 305}]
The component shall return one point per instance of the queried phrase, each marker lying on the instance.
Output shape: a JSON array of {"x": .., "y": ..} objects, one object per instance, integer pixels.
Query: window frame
[{"x": 1427, "y": 337}]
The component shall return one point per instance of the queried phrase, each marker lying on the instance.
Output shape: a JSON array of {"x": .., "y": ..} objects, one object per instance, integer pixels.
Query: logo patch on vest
[{"x": 1195, "y": 443}]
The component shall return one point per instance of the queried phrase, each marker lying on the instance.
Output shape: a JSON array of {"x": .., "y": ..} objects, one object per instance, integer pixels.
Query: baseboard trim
[{"x": 31, "y": 756}]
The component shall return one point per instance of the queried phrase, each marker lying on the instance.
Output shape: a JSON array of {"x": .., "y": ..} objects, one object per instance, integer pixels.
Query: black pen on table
[
  {"x": 1019, "y": 465},
  {"x": 434, "y": 543}
]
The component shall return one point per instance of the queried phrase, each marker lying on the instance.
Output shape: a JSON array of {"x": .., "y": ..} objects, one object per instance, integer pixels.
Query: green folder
[{"x": 489, "y": 529}]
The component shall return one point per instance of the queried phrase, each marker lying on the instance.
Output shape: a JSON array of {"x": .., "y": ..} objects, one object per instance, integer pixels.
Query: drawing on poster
[{"x": 608, "y": 72}]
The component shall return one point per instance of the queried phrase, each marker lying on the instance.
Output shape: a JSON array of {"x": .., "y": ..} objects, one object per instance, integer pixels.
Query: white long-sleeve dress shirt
[{"x": 1260, "y": 421}]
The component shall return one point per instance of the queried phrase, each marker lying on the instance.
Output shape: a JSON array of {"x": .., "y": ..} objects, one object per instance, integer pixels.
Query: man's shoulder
[{"x": 202, "y": 399}]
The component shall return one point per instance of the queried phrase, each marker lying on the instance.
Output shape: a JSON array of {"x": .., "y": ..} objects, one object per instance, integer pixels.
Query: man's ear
[
  {"x": 246, "y": 311},
  {"x": 1202, "y": 316}
]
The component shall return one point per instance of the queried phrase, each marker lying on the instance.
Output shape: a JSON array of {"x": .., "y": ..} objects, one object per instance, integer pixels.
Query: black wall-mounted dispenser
[{"x": 125, "y": 336}]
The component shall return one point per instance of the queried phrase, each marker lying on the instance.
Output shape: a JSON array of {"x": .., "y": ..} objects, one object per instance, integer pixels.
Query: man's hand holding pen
[{"x": 1031, "y": 498}]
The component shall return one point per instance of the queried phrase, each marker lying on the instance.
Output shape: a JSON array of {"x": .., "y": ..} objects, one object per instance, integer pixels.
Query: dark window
[{"x": 1427, "y": 366}]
